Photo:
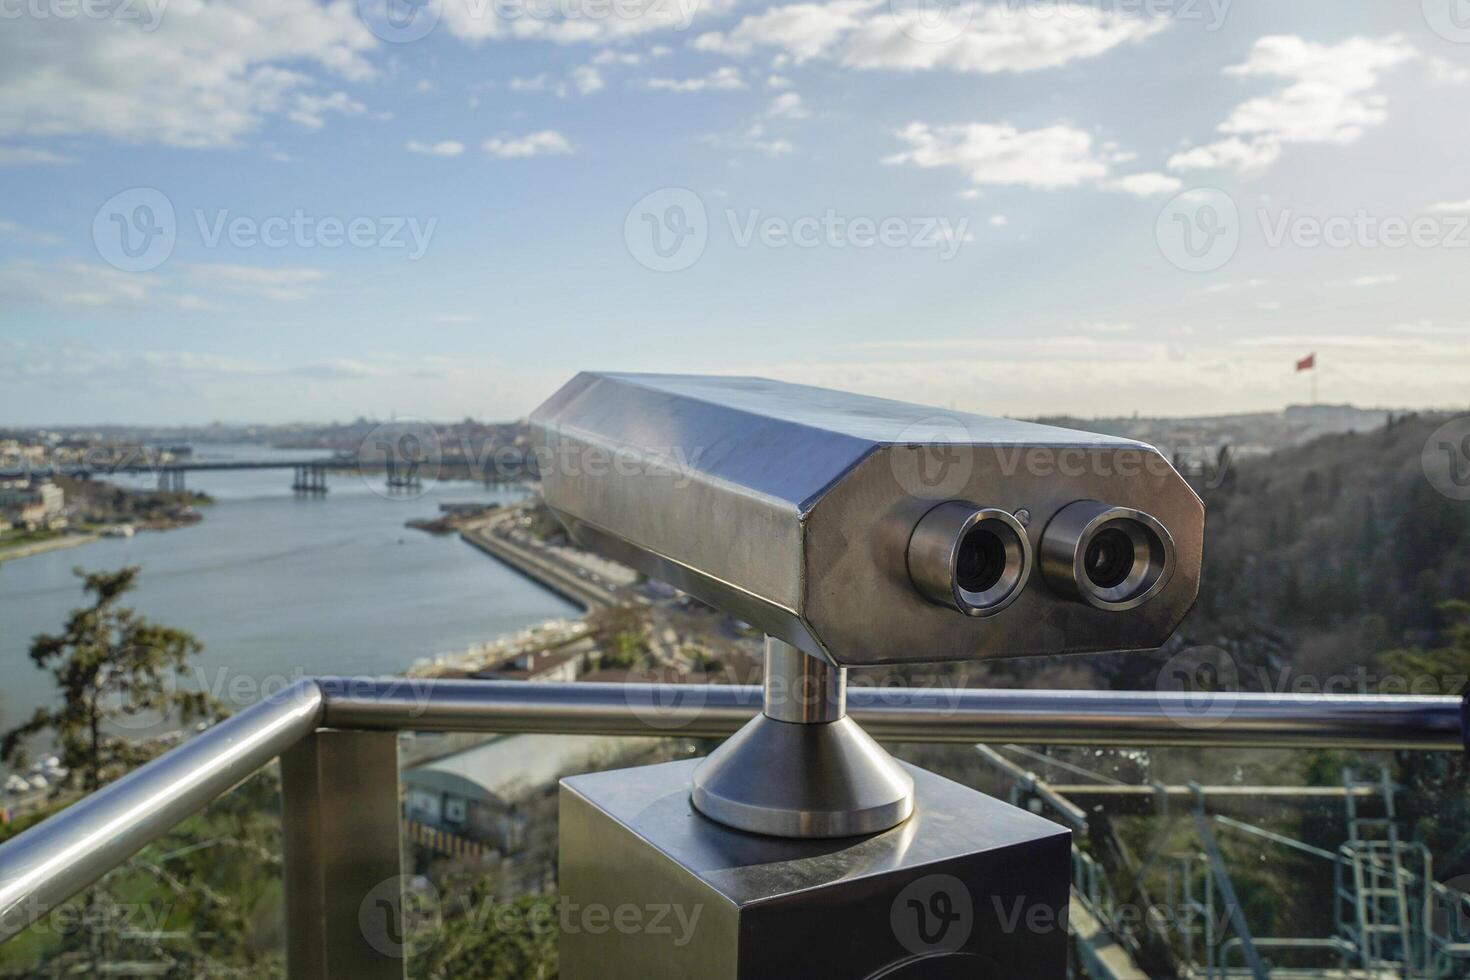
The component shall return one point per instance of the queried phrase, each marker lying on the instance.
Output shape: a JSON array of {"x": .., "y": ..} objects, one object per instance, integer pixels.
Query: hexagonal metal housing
[{"x": 791, "y": 507}]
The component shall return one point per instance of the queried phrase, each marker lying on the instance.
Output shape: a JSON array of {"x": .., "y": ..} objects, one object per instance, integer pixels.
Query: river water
[{"x": 278, "y": 586}]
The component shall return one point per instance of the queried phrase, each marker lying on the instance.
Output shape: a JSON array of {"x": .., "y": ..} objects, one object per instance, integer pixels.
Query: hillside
[{"x": 1318, "y": 558}]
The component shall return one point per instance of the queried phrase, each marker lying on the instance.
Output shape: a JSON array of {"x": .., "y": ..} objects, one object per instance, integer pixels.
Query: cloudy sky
[{"x": 287, "y": 209}]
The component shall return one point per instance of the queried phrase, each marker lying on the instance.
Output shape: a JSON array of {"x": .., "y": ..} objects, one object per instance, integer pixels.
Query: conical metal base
[{"x": 803, "y": 780}]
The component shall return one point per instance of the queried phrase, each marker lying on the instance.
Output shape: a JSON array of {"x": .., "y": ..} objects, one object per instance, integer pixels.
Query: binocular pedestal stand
[
  {"x": 800, "y": 848},
  {"x": 802, "y": 768}
]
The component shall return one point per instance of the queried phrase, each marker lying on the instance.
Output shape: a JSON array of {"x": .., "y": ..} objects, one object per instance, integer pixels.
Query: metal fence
[{"x": 336, "y": 740}]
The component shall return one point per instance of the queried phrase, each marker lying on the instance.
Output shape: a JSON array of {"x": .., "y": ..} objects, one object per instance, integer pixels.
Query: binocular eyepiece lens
[
  {"x": 973, "y": 559},
  {"x": 1112, "y": 558},
  {"x": 981, "y": 560},
  {"x": 1109, "y": 558}
]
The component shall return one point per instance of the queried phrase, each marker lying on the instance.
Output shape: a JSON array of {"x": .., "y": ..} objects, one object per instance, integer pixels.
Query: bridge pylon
[{"x": 309, "y": 479}]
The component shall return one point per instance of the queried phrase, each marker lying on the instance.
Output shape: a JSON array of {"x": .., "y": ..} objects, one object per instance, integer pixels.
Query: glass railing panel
[
  {"x": 203, "y": 900},
  {"x": 479, "y": 845},
  {"x": 1197, "y": 860}
]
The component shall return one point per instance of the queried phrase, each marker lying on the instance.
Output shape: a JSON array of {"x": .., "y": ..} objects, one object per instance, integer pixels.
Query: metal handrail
[{"x": 62, "y": 855}]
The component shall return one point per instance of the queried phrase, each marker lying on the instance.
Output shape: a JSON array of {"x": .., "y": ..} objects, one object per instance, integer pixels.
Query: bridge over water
[{"x": 308, "y": 476}]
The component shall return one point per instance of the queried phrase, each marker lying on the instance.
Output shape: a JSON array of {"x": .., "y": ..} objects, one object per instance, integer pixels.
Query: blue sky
[{"x": 1034, "y": 167}]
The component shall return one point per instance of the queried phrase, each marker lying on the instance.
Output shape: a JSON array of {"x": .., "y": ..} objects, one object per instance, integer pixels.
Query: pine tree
[{"x": 113, "y": 668}]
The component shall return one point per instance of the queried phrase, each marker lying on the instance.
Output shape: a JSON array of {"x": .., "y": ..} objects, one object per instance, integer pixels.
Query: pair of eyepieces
[{"x": 978, "y": 559}]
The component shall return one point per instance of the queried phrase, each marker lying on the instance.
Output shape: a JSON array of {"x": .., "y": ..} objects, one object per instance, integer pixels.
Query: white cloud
[
  {"x": 999, "y": 221},
  {"x": 754, "y": 137},
  {"x": 73, "y": 284},
  {"x": 1331, "y": 97},
  {"x": 608, "y": 56},
  {"x": 757, "y": 139},
  {"x": 282, "y": 284},
  {"x": 1032, "y": 372},
  {"x": 477, "y": 20},
  {"x": 29, "y": 156},
  {"x": 207, "y": 76},
  {"x": 310, "y": 110},
  {"x": 1364, "y": 282},
  {"x": 1227, "y": 287},
  {"x": 1145, "y": 184},
  {"x": 1447, "y": 72},
  {"x": 1050, "y": 158},
  {"x": 28, "y": 236},
  {"x": 787, "y": 105},
  {"x": 1450, "y": 207},
  {"x": 82, "y": 285},
  {"x": 872, "y": 34},
  {"x": 777, "y": 81},
  {"x": 725, "y": 79},
  {"x": 547, "y": 141},
  {"x": 536, "y": 83},
  {"x": 443, "y": 148},
  {"x": 143, "y": 385},
  {"x": 1104, "y": 327},
  {"x": 587, "y": 79},
  {"x": 1232, "y": 153}
]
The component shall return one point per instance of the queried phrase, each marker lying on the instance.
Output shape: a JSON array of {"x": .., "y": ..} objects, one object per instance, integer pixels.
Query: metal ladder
[{"x": 1372, "y": 906}]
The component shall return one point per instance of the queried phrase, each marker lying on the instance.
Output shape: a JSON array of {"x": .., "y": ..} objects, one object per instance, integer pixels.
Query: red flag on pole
[{"x": 1307, "y": 363}]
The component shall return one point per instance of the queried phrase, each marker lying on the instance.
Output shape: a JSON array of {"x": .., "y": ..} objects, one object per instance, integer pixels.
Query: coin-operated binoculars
[{"x": 855, "y": 532}]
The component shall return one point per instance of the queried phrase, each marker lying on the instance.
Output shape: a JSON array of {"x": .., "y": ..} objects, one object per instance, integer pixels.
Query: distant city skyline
[{"x": 270, "y": 211}]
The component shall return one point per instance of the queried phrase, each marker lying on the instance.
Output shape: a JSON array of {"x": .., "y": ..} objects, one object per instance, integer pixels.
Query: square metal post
[
  {"x": 654, "y": 890},
  {"x": 343, "y": 862}
]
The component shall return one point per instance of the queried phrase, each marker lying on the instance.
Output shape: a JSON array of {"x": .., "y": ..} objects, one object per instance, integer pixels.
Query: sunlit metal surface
[
  {"x": 46, "y": 865},
  {"x": 809, "y": 908},
  {"x": 934, "y": 714},
  {"x": 793, "y": 508},
  {"x": 54, "y": 860}
]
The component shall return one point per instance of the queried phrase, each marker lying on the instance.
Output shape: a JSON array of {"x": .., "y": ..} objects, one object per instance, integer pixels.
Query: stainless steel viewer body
[
  {"x": 854, "y": 531},
  {"x": 793, "y": 508}
]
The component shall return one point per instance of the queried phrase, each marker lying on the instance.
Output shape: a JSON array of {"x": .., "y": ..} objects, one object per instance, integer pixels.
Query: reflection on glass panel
[
  {"x": 479, "y": 845},
  {"x": 1208, "y": 862},
  {"x": 203, "y": 901}
]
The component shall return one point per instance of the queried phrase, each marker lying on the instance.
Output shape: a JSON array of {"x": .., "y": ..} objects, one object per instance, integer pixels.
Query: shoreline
[{"x": 33, "y": 548}]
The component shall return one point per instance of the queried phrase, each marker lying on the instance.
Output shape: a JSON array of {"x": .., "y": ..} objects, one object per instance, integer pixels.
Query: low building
[
  {"x": 544, "y": 665},
  {"x": 478, "y": 794},
  {"x": 32, "y": 505}
]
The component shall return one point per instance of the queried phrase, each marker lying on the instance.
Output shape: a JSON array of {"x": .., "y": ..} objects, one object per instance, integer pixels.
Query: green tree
[
  {"x": 117, "y": 672},
  {"x": 1436, "y": 802},
  {"x": 114, "y": 669}
]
